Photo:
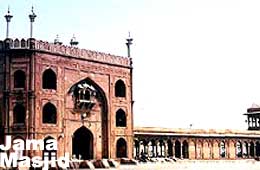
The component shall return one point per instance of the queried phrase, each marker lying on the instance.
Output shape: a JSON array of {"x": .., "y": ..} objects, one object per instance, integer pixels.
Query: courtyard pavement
[{"x": 197, "y": 165}]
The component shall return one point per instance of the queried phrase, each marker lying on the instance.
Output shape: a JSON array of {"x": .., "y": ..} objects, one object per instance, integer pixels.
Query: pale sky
[{"x": 195, "y": 61}]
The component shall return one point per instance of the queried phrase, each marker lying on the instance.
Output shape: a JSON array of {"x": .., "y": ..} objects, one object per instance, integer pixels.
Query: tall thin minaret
[
  {"x": 128, "y": 44},
  {"x": 32, "y": 17},
  {"x": 8, "y": 18}
]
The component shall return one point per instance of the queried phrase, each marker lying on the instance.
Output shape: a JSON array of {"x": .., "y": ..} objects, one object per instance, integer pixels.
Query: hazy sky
[{"x": 195, "y": 61}]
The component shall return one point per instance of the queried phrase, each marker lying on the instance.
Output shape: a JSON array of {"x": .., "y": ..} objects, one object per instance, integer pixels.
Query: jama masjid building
[{"x": 83, "y": 99}]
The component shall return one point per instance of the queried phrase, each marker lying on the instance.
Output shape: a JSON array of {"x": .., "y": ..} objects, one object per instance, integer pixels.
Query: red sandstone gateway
[{"x": 81, "y": 98}]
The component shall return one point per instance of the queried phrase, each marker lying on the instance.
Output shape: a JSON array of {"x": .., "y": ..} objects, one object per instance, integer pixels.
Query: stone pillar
[
  {"x": 166, "y": 149},
  {"x": 173, "y": 148},
  {"x": 181, "y": 150},
  {"x": 161, "y": 149},
  {"x": 146, "y": 148},
  {"x": 157, "y": 149}
]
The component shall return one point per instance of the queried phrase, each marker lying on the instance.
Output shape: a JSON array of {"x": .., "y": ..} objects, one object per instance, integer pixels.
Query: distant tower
[
  {"x": 8, "y": 18},
  {"x": 253, "y": 117},
  {"x": 32, "y": 17},
  {"x": 73, "y": 41}
]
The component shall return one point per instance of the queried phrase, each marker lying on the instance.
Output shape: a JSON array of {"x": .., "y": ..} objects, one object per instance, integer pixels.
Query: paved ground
[{"x": 197, "y": 165}]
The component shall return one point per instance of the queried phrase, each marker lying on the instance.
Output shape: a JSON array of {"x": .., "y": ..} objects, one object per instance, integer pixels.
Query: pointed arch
[
  {"x": 252, "y": 149},
  {"x": 82, "y": 143},
  {"x": 177, "y": 148},
  {"x": 170, "y": 149},
  {"x": 185, "y": 149},
  {"x": 101, "y": 97},
  {"x": 121, "y": 148},
  {"x": 19, "y": 79},
  {"x": 257, "y": 149},
  {"x": 49, "y": 79},
  {"x": 120, "y": 118},
  {"x": 120, "y": 89},
  {"x": 49, "y": 113},
  {"x": 19, "y": 114}
]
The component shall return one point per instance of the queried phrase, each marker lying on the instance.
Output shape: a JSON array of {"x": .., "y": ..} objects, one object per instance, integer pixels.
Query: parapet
[{"x": 43, "y": 46}]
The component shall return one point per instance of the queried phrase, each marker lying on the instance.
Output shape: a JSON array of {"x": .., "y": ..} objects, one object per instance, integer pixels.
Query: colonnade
[{"x": 196, "y": 148}]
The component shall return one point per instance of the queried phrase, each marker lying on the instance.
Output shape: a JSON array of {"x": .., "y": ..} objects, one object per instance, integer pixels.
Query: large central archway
[
  {"x": 86, "y": 95},
  {"x": 82, "y": 143}
]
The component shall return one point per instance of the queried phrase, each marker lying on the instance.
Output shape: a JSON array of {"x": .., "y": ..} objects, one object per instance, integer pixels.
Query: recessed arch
[
  {"x": 19, "y": 114},
  {"x": 49, "y": 113},
  {"x": 170, "y": 150},
  {"x": 185, "y": 149},
  {"x": 257, "y": 149},
  {"x": 49, "y": 79},
  {"x": 102, "y": 100},
  {"x": 19, "y": 79},
  {"x": 120, "y": 118},
  {"x": 120, "y": 89},
  {"x": 177, "y": 148},
  {"x": 252, "y": 149},
  {"x": 82, "y": 143},
  {"x": 121, "y": 148}
]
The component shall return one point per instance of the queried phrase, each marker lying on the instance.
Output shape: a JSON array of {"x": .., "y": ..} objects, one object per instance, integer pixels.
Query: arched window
[
  {"x": 121, "y": 148},
  {"x": 49, "y": 80},
  {"x": 222, "y": 150},
  {"x": 239, "y": 149},
  {"x": 19, "y": 114},
  {"x": 120, "y": 118},
  {"x": 185, "y": 149},
  {"x": 49, "y": 114},
  {"x": 19, "y": 79},
  {"x": 120, "y": 90}
]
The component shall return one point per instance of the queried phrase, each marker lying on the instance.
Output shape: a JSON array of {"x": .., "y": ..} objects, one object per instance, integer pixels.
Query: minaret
[
  {"x": 128, "y": 44},
  {"x": 8, "y": 18},
  {"x": 32, "y": 17}
]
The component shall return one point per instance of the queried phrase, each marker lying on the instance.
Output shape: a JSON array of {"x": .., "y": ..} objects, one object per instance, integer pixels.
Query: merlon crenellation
[{"x": 44, "y": 46}]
